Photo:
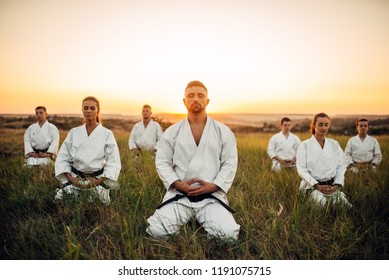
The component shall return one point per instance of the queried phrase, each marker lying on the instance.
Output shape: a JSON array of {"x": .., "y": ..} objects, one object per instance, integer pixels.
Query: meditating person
[
  {"x": 283, "y": 146},
  {"x": 41, "y": 140},
  {"x": 88, "y": 159},
  {"x": 362, "y": 150},
  {"x": 196, "y": 160},
  {"x": 145, "y": 133},
  {"x": 321, "y": 164}
]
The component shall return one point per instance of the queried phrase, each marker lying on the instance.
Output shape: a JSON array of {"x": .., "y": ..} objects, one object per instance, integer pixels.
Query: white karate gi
[
  {"x": 88, "y": 154},
  {"x": 358, "y": 151},
  {"x": 316, "y": 164},
  {"x": 213, "y": 160},
  {"x": 145, "y": 138},
  {"x": 41, "y": 138},
  {"x": 283, "y": 147}
]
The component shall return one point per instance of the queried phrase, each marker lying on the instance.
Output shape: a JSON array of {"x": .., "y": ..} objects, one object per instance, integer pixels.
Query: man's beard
[{"x": 196, "y": 108}]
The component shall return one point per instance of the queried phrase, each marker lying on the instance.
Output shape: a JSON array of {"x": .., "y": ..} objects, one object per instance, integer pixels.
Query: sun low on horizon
[{"x": 253, "y": 56}]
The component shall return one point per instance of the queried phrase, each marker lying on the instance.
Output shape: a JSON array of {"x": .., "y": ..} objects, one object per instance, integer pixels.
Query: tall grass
[{"x": 277, "y": 222}]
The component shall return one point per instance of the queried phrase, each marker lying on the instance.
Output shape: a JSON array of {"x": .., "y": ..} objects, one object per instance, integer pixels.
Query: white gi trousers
[
  {"x": 209, "y": 213},
  {"x": 102, "y": 193},
  {"x": 321, "y": 199}
]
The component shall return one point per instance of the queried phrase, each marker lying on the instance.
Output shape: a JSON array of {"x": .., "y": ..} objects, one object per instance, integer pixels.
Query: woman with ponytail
[
  {"x": 89, "y": 157},
  {"x": 321, "y": 164}
]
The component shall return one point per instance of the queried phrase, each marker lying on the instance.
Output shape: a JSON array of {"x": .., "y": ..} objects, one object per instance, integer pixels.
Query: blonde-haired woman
[
  {"x": 321, "y": 164},
  {"x": 89, "y": 157}
]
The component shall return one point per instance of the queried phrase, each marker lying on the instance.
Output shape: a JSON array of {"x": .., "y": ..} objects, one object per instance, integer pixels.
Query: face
[
  {"x": 363, "y": 128},
  {"x": 286, "y": 126},
  {"x": 322, "y": 126},
  {"x": 196, "y": 99},
  {"x": 41, "y": 115},
  {"x": 90, "y": 110},
  {"x": 146, "y": 113}
]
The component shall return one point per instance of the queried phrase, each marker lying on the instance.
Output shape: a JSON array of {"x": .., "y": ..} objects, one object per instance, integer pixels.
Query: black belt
[
  {"x": 87, "y": 175},
  {"x": 40, "y": 151},
  {"x": 328, "y": 182},
  {"x": 84, "y": 176},
  {"x": 196, "y": 199}
]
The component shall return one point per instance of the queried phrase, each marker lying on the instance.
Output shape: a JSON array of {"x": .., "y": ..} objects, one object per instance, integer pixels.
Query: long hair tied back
[
  {"x": 92, "y": 98},
  {"x": 314, "y": 120}
]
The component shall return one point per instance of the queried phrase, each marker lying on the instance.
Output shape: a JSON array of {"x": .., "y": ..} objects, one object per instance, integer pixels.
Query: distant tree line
[{"x": 342, "y": 126}]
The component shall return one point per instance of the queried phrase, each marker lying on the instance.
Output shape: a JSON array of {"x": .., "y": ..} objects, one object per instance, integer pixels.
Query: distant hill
[{"x": 244, "y": 123}]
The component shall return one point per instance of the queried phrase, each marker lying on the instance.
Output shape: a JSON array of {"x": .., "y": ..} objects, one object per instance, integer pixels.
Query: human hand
[
  {"x": 33, "y": 155},
  {"x": 184, "y": 186},
  {"x": 42, "y": 155},
  {"x": 327, "y": 189},
  {"x": 75, "y": 181},
  {"x": 203, "y": 188}
]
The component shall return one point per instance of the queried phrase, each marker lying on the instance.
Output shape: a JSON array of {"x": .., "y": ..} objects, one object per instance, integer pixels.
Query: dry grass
[{"x": 277, "y": 222}]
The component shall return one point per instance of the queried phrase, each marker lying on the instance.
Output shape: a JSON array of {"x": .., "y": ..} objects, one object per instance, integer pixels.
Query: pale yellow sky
[{"x": 254, "y": 56}]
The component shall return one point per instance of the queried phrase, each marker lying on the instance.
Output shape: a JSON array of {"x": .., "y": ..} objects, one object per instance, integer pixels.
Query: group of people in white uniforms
[
  {"x": 196, "y": 160},
  {"x": 321, "y": 162}
]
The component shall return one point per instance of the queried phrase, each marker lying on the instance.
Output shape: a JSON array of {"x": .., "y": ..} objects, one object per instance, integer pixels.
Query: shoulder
[
  {"x": 332, "y": 142},
  {"x": 138, "y": 124},
  {"x": 77, "y": 128},
  {"x": 371, "y": 138},
  {"x": 274, "y": 136},
  {"x": 220, "y": 125},
  {"x": 31, "y": 126},
  {"x": 223, "y": 130},
  {"x": 106, "y": 130},
  {"x": 308, "y": 141},
  {"x": 156, "y": 124},
  {"x": 355, "y": 137},
  {"x": 294, "y": 136},
  {"x": 52, "y": 126},
  {"x": 174, "y": 128}
]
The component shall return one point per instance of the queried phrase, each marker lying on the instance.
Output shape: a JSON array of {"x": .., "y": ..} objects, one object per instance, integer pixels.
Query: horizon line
[{"x": 209, "y": 113}]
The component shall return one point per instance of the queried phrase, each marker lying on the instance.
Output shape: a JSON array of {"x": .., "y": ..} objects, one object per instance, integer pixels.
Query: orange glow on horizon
[{"x": 253, "y": 56}]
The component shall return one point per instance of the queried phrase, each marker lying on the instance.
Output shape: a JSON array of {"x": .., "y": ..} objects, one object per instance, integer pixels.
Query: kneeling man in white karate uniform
[
  {"x": 321, "y": 164},
  {"x": 362, "y": 151},
  {"x": 41, "y": 140},
  {"x": 146, "y": 133},
  {"x": 197, "y": 160},
  {"x": 283, "y": 146}
]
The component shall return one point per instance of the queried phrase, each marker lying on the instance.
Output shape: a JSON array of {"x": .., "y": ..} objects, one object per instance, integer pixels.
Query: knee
[
  {"x": 277, "y": 167},
  {"x": 223, "y": 231},
  {"x": 158, "y": 229}
]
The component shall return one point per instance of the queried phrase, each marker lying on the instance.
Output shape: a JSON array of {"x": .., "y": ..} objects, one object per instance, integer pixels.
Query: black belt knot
[
  {"x": 40, "y": 151},
  {"x": 87, "y": 175},
  {"x": 328, "y": 182},
  {"x": 196, "y": 199}
]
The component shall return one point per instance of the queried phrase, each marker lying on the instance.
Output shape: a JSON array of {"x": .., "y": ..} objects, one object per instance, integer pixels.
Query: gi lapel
[{"x": 196, "y": 162}]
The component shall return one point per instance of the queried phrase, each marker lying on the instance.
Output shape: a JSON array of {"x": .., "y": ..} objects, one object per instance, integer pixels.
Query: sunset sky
[{"x": 261, "y": 56}]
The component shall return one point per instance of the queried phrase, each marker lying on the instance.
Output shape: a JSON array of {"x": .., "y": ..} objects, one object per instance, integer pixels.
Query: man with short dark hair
[
  {"x": 283, "y": 146},
  {"x": 41, "y": 140},
  {"x": 362, "y": 151},
  {"x": 146, "y": 133},
  {"x": 196, "y": 160}
]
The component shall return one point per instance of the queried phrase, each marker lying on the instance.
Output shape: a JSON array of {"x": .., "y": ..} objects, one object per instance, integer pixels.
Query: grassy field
[{"x": 276, "y": 221}]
